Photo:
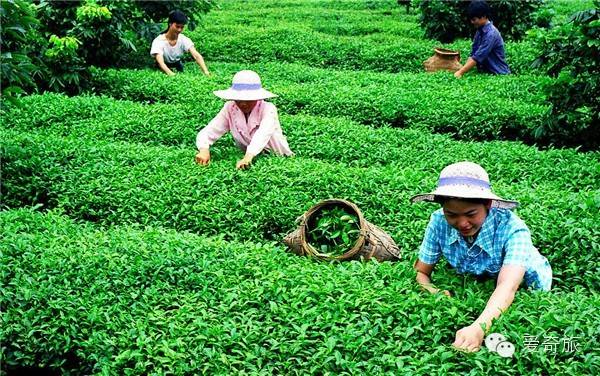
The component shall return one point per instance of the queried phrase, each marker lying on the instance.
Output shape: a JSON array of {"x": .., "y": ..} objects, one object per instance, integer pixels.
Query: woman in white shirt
[{"x": 169, "y": 47}]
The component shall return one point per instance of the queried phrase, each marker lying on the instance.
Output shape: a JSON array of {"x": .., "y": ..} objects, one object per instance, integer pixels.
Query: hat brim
[
  {"x": 244, "y": 95},
  {"x": 497, "y": 202}
]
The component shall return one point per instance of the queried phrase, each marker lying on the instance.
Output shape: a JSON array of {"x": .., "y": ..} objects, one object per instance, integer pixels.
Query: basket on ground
[
  {"x": 443, "y": 59},
  {"x": 372, "y": 241}
]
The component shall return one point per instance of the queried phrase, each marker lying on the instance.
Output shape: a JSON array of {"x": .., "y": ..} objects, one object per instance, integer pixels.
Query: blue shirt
[
  {"x": 503, "y": 239},
  {"x": 488, "y": 50}
]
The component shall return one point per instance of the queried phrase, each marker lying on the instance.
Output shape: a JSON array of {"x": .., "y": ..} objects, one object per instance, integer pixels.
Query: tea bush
[
  {"x": 438, "y": 102},
  {"x": 341, "y": 22},
  {"x": 106, "y": 119},
  {"x": 120, "y": 255},
  {"x": 130, "y": 183},
  {"x": 564, "y": 9},
  {"x": 377, "y": 52},
  {"x": 381, "y": 38},
  {"x": 152, "y": 301}
]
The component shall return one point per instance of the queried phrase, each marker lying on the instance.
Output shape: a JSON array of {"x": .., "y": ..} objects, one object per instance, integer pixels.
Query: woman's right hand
[{"x": 203, "y": 157}]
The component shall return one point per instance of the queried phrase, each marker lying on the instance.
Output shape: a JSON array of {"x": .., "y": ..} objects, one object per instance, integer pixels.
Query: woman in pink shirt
[{"x": 253, "y": 123}]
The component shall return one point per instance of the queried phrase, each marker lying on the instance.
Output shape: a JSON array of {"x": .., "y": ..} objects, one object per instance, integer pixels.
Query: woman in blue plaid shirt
[{"x": 478, "y": 234}]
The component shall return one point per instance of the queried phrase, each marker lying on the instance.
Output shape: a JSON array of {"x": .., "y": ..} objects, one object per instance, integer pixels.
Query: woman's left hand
[
  {"x": 243, "y": 163},
  {"x": 469, "y": 338}
]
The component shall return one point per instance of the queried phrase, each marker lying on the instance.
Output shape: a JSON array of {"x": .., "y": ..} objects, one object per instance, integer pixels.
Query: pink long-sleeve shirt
[{"x": 261, "y": 131}]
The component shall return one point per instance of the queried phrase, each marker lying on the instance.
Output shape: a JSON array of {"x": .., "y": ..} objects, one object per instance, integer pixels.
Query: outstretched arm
[
  {"x": 467, "y": 67},
  {"x": 161, "y": 63},
  {"x": 470, "y": 338},
  {"x": 216, "y": 128},
  {"x": 424, "y": 277},
  {"x": 199, "y": 60}
]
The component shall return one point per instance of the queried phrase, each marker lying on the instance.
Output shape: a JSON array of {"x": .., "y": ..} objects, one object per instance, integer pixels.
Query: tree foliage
[
  {"x": 17, "y": 20},
  {"x": 60, "y": 40},
  {"x": 447, "y": 20},
  {"x": 571, "y": 53}
]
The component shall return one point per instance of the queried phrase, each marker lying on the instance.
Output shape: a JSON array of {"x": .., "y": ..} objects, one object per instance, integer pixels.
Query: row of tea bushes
[
  {"x": 104, "y": 118},
  {"x": 340, "y": 22},
  {"x": 322, "y": 138},
  {"x": 317, "y": 6},
  {"x": 382, "y": 37},
  {"x": 379, "y": 52},
  {"x": 514, "y": 106},
  {"x": 150, "y": 301},
  {"x": 119, "y": 183}
]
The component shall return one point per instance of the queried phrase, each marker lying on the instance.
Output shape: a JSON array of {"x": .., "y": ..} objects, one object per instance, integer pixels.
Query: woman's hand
[
  {"x": 243, "y": 163},
  {"x": 469, "y": 338},
  {"x": 423, "y": 272},
  {"x": 203, "y": 157}
]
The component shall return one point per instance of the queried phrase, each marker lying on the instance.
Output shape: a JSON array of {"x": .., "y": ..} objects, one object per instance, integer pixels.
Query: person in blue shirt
[
  {"x": 478, "y": 234},
  {"x": 487, "y": 51}
]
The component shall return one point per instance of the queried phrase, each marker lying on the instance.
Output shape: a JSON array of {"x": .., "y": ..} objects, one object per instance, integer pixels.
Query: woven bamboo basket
[
  {"x": 372, "y": 241},
  {"x": 443, "y": 59}
]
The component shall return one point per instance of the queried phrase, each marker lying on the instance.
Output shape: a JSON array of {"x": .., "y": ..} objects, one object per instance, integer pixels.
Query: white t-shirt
[{"x": 171, "y": 54}]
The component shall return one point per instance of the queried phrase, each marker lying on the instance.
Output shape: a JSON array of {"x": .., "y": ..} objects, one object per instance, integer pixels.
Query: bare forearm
[
  {"x": 468, "y": 66},
  {"x": 501, "y": 299},
  {"x": 200, "y": 62},
  {"x": 424, "y": 281},
  {"x": 166, "y": 69},
  {"x": 163, "y": 66}
]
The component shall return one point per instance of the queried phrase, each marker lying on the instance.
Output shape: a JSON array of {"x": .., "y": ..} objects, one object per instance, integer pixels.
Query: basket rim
[
  {"x": 308, "y": 248},
  {"x": 446, "y": 51}
]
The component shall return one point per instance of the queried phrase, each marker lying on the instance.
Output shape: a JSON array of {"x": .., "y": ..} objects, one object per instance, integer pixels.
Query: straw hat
[
  {"x": 465, "y": 180},
  {"x": 245, "y": 86}
]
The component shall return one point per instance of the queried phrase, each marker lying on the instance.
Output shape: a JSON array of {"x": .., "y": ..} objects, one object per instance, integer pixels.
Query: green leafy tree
[
  {"x": 447, "y": 20},
  {"x": 65, "y": 38},
  {"x": 17, "y": 67},
  {"x": 571, "y": 54}
]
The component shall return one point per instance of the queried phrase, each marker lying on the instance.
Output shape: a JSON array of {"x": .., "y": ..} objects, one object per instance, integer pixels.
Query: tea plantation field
[{"x": 121, "y": 256}]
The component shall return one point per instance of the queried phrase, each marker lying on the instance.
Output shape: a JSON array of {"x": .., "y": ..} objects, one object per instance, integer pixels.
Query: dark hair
[
  {"x": 442, "y": 200},
  {"x": 478, "y": 9},
  {"x": 177, "y": 16}
]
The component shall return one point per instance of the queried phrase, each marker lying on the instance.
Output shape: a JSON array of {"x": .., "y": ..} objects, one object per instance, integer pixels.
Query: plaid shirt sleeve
[
  {"x": 430, "y": 250},
  {"x": 519, "y": 248}
]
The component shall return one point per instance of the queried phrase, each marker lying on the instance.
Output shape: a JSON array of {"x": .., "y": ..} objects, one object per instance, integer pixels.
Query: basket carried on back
[
  {"x": 443, "y": 59},
  {"x": 372, "y": 241}
]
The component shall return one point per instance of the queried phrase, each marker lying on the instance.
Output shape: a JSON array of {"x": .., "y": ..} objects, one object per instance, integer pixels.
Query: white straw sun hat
[
  {"x": 245, "y": 86},
  {"x": 465, "y": 180}
]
